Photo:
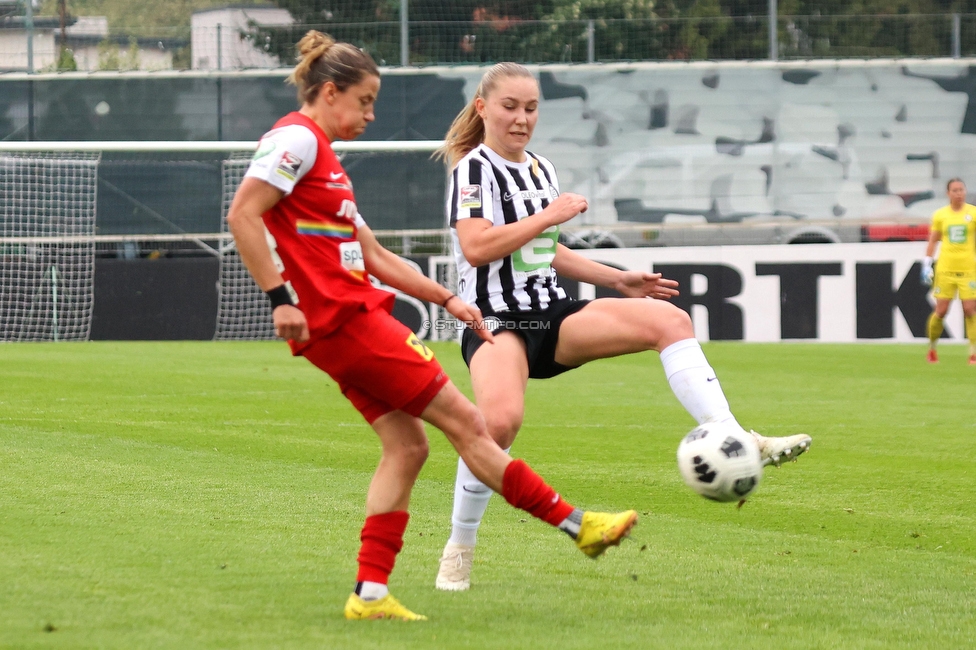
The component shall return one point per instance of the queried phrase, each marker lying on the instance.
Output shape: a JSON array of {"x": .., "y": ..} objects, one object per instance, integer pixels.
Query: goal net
[
  {"x": 243, "y": 311},
  {"x": 47, "y": 247}
]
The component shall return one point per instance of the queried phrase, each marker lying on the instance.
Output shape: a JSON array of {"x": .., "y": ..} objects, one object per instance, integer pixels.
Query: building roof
[
  {"x": 40, "y": 22},
  {"x": 237, "y": 7},
  {"x": 144, "y": 42}
]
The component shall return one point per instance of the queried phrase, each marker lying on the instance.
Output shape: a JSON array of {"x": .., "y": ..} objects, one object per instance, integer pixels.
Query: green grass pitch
[{"x": 210, "y": 495}]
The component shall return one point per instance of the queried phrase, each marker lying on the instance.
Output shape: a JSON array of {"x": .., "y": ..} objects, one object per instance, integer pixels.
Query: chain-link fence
[{"x": 249, "y": 38}]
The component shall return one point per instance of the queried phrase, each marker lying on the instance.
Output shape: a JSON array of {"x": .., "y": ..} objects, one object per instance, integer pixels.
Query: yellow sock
[
  {"x": 935, "y": 328},
  {"x": 971, "y": 330}
]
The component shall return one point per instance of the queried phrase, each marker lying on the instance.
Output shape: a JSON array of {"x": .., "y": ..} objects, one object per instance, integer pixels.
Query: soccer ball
[{"x": 720, "y": 461}]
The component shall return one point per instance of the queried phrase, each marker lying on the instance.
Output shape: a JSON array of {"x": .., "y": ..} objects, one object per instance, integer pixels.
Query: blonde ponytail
[
  {"x": 321, "y": 59},
  {"x": 468, "y": 129}
]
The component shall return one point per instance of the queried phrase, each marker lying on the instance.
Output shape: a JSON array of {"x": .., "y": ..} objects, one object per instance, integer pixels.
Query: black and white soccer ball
[{"x": 720, "y": 461}]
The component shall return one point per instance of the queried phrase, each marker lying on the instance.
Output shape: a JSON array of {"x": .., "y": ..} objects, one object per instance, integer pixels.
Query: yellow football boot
[
  {"x": 601, "y": 530},
  {"x": 358, "y": 609}
]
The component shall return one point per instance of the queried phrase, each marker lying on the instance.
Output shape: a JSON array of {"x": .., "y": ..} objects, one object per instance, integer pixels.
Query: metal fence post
[
  {"x": 956, "y": 36},
  {"x": 590, "y": 41},
  {"x": 220, "y": 47},
  {"x": 404, "y": 34},
  {"x": 29, "y": 26},
  {"x": 773, "y": 32}
]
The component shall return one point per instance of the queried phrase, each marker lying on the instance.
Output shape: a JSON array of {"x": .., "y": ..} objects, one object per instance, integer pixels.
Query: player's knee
[
  {"x": 503, "y": 425},
  {"x": 671, "y": 324},
  {"x": 472, "y": 421},
  {"x": 680, "y": 322},
  {"x": 414, "y": 454}
]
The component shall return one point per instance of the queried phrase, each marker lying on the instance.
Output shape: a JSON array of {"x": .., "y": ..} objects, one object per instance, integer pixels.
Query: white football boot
[
  {"x": 455, "y": 571},
  {"x": 775, "y": 451}
]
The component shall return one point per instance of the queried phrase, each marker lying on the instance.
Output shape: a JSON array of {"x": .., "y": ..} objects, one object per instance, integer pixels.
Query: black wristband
[
  {"x": 447, "y": 300},
  {"x": 279, "y": 296}
]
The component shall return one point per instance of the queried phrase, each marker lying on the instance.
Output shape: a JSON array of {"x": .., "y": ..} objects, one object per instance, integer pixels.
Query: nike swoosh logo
[
  {"x": 335, "y": 175},
  {"x": 711, "y": 379},
  {"x": 509, "y": 197}
]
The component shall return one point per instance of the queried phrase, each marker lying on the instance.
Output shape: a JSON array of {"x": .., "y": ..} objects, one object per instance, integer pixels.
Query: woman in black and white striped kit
[{"x": 504, "y": 208}]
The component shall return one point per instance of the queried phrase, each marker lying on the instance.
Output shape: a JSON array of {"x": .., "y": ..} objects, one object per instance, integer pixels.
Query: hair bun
[{"x": 314, "y": 44}]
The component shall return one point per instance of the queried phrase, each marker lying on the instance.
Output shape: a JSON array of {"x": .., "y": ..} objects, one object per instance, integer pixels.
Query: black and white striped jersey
[{"x": 486, "y": 186}]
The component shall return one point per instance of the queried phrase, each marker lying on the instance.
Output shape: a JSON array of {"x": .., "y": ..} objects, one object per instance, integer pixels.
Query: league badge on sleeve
[
  {"x": 288, "y": 165},
  {"x": 470, "y": 196}
]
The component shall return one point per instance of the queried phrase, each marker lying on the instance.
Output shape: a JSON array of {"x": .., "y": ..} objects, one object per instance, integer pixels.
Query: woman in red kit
[{"x": 297, "y": 229}]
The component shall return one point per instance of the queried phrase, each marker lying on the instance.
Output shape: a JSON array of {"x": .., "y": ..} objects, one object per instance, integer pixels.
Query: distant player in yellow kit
[{"x": 954, "y": 226}]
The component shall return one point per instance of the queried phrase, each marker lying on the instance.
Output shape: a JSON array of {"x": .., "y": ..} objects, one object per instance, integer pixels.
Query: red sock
[
  {"x": 525, "y": 489},
  {"x": 382, "y": 539}
]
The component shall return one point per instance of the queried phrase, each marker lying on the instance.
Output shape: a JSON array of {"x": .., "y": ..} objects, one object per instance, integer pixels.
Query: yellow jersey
[{"x": 957, "y": 252}]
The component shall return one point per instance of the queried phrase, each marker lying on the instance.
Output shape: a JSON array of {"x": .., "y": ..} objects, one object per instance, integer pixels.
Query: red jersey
[{"x": 312, "y": 230}]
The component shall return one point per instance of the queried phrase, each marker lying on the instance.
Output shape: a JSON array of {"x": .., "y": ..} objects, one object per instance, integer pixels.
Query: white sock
[
  {"x": 571, "y": 524},
  {"x": 694, "y": 382},
  {"x": 371, "y": 590},
  {"x": 470, "y": 502}
]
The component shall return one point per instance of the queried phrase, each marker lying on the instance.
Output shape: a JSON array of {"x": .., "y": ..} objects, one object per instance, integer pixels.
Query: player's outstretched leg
[
  {"x": 521, "y": 487},
  {"x": 775, "y": 451},
  {"x": 696, "y": 386},
  {"x": 599, "y": 531},
  {"x": 594, "y": 532}
]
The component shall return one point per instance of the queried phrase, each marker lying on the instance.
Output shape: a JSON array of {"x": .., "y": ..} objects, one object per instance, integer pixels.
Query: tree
[{"x": 477, "y": 31}]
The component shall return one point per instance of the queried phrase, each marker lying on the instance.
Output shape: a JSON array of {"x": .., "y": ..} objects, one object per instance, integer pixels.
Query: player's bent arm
[
  {"x": 633, "y": 284},
  {"x": 389, "y": 269},
  {"x": 253, "y": 198},
  {"x": 483, "y": 243},
  {"x": 574, "y": 266}
]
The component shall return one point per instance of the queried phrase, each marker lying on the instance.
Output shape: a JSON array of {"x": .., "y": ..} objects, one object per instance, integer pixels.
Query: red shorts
[{"x": 379, "y": 364}]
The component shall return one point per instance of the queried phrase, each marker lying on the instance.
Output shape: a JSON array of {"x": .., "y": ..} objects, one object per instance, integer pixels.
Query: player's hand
[
  {"x": 640, "y": 284},
  {"x": 928, "y": 273},
  {"x": 566, "y": 206},
  {"x": 290, "y": 323},
  {"x": 471, "y": 316}
]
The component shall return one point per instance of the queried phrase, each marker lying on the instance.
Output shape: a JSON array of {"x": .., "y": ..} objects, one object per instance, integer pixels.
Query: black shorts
[{"x": 539, "y": 330}]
